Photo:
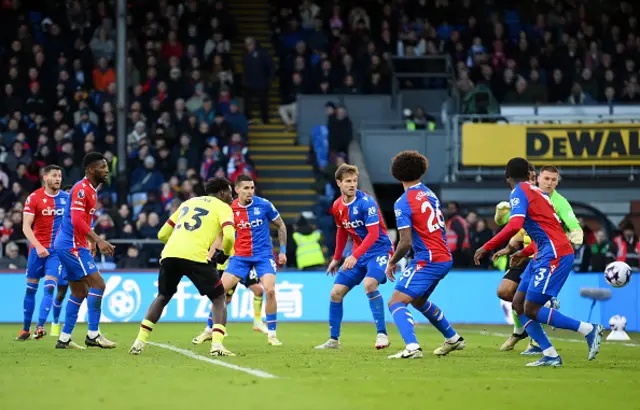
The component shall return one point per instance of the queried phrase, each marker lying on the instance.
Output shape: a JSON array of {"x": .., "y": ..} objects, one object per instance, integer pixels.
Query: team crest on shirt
[
  {"x": 355, "y": 211},
  {"x": 63, "y": 201},
  {"x": 256, "y": 211},
  {"x": 515, "y": 202},
  {"x": 81, "y": 193}
]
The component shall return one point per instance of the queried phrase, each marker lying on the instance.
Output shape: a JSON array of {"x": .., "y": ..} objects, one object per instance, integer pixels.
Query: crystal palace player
[
  {"x": 72, "y": 246},
  {"x": 43, "y": 212},
  {"x": 357, "y": 215},
  {"x": 253, "y": 249},
  {"x": 421, "y": 226},
  {"x": 543, "y": 277},
  {"x": 63, "y": 285}
]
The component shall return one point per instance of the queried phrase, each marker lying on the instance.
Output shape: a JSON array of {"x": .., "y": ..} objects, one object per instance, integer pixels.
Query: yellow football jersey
[{"x": 191, "y": 230}]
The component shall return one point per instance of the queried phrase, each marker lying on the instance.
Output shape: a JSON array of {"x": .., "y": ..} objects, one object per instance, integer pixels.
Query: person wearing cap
[{"x": 12, "y": 258}]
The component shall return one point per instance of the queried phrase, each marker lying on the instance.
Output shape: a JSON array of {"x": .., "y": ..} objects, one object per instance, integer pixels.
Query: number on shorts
[
  {"x": 196, "y": 218},
  {"x": 436, "y": 217},
  {"x": 253, "y": 275},
  {"x": 381, "y": 260}
]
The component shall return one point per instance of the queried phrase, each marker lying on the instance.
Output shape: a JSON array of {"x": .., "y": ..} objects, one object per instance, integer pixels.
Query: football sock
[
  {"x": 146, "y": 327},
  {"x": 518, "y": 329},
  {"x": 94, "y": 305},
  {"x": 29, "y": 305},
  {"x": 257, "y": 309},
  {"x": 554, "y": 318},
  {"x": 536, "y": 332},
  {"x": 47, "y": 300},
  {"x": 57, "y": 308},
  {"x": 437, "y": 319},
  {"x": 404, "y": 321},
  {"x": 272, "y": 322},
  {"x": 376, "y": 303},
  {"x": 335, "y": 319},
  {"x": 71, "y": 317},
  {"x": 210, "y": 321},
  {"x": 218, "y": 334}
]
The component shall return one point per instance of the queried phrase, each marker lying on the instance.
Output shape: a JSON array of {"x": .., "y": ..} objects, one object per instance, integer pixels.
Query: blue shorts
[
  {"x": 544, "y": 278},
  {"x": 78, "y": 263},
  {"x": 367, "y": 267},
  {"x": 38, "y": 268},
  {"x": 241, "y": 266},
  {"x": 420, "y": 278}
]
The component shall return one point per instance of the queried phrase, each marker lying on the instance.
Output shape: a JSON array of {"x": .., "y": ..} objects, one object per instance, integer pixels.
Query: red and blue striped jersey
[
  {"x": 540, "y": 220},
  {"x": 419, "y": 209},
  {"x": 47, "y": 211},
  {"x": 356, "y": 216},
  {"x": 83, "y": 198},
  {"x": 252, "y": 221}
]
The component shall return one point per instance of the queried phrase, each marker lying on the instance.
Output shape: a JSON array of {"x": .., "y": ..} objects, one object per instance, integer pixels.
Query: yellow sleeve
[
  {"x": 225, "y": 215},
  {"x": 167, "y": 229}
]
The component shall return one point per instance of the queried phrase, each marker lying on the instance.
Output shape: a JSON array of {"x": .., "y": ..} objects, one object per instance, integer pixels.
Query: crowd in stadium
[{"x": 185, "y": 121}]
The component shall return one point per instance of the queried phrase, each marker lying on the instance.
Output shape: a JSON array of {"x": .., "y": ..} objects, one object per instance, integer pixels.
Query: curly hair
[
  {"x": 409, "y": 166},
  {"x": 517, "y": 169}
]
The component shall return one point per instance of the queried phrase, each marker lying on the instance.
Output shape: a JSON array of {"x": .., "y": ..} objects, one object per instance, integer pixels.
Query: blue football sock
[
  {"x": 47, "y": 300},
  {"x": 376, "y": 303},
  {"x": 335, "y": 319},
  {"x": 71, "y": 315},
  {"x": 94, "y": 305},
  {"x": 210, "y": 320},
  {"x": 272, "y": 321},
  {"x": 554, "y": 318},
  {"x": 57, "y": 308},
  {"x": 29, "y": 305},
  {"x": 437, "y": 319},
  {"x": 404, "y": 321},
  {"x": 534, "y": 329}
]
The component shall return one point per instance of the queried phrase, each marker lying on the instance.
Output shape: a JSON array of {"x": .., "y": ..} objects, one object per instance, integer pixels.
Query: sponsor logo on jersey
[
  {"x": 250, "y": 224},
  {"x": 53, "y": 212},
  {"x": 352, "y": 224},
  {"x": 398, "y": 212}
]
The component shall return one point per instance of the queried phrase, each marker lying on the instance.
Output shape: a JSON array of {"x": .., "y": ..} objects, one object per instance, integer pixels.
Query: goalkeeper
[{"x": 547, "y": 181}]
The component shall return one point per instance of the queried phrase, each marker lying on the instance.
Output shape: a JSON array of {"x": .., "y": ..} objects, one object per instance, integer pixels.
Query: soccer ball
[
  {"x": 617, "y": 323},
  {"x": 618, "y": 274}
]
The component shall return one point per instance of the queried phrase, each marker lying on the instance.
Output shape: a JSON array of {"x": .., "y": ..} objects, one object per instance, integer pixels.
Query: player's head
[
  {"x": 347, "y": 179},
  {"x": 245, "y": 188},
  {"x": 532, "y": 173},
  {"x": 52, "y": 177},
  {"x": 220, "y": 187},
  {"x": 96, "y": 167},
  {"x": 517, "y": 171},
  {"x": 548, "y": 178},
  {"x": 409, "y": 166}
]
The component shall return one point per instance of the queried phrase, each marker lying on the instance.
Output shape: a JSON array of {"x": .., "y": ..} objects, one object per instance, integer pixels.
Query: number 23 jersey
[
  {"x": 419, "y": 209},
  {"x": 196, "y": 224}
]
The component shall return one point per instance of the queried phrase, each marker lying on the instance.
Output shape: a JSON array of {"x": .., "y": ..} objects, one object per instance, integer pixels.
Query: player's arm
[
  {"x": 215, "y": 246},
  {"x": 372, "y": 222},
  {"x": 568, "y": 217},
  {"x": 402, "y": 211},
  {"x": 282, "y": 234},
  {"x": 167, "y": 229},
  {"x": 404, "y": 245},
  {"x": 27, "y": 222}
]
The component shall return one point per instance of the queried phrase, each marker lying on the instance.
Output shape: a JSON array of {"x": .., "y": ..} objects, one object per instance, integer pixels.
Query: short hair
[
  {"x": 344, "y": 170},
  {"x": 243, "y": 178},
  {"x": 216, "y": 185},
  {"x": 50, "y": 168},
  {"x": 409, "y": 166},
  {"x": 92, "y": 158},
  {"x": 550, "y": 168},
  {"x": 517, "y": 168}
]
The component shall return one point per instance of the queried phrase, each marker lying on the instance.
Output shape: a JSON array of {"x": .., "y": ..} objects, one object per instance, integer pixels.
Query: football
[{"x": 618, "y": 274}]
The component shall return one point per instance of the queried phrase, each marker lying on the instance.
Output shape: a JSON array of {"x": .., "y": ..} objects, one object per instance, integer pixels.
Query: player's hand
[
  {"x": 517, "y": 259},
  {"x": 106, "y": 248},
  {"x": 391, "y": 271},
  {"x": 333, "y": 267},
  {"x": 501, "y": 252},
  {"x": 349, "y": 263},
  {"x": 479, "y": 255},
  {"x": 282, "y": 259},
  {"x": 576, "y": 237},
  {"x": 92, "y": 249},
  {"x": 42, "y": 252}
]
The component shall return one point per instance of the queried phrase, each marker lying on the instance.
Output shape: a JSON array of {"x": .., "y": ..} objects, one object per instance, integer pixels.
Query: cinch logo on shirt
[
  {"x": 252, "y": 224},
  {"x": 352, "y": 225},
  {"x": 53, "y": 212}
]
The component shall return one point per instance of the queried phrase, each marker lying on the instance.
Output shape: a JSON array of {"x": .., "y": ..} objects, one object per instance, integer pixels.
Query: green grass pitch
[{"x": 34, "y": 375}]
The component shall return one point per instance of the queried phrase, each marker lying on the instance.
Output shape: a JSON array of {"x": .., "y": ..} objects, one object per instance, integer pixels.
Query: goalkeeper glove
[
  {"x": 502, "y": 209},
  {"x": 576, "y": 237}
]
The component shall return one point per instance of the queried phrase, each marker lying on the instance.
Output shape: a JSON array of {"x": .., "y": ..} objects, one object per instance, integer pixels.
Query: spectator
[
  {"x": 458, "y": 236},
  {"x": 132, "y": 260},
  {"x": 258, "y": 72},
  {"x": 237, "y": 120},
  {"x": 287, "y": 109},
  {"x": 340, "y": 130},
  {"x": 626, "y": 247},
  {"x": 146, "y": 178},
  {"x": 600, "y": 254},
  {"x": 13, "y": 259}
]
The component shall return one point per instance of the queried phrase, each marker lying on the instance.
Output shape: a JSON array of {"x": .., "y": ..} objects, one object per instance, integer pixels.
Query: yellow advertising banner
[{"x": 566, "y": 145}]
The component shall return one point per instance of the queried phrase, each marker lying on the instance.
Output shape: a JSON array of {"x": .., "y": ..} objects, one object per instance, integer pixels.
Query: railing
[
  {"x": 593, "y": 166},
  {"x": 424, "y": 68}
]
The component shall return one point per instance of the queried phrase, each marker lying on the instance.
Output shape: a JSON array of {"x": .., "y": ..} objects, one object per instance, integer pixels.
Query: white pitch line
[
  {"x": 563, "y": 339},
  {"x": 189, "y": 353}
]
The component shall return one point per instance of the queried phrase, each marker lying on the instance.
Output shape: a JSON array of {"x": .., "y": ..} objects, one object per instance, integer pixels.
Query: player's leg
[
  {"x": 258, "y": 298},
  {"x": 547, "y": 284},
  {"x": 506, "y": 292},
  {"x": 343, "y": 283},
  {"x": 79, "y": 291},
  {"x": 169, "y": 276},
  {"x": 35, "y": 271},
  {"x": 56, "y": 327},
  {"x": 271, "y": 307},
  {"x": 53, "y": 273},
  {"x": 374, "y": 277}
]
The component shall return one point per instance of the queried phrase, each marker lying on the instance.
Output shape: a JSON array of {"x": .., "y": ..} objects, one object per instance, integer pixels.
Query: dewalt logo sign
[{"x": 566, "y": 145}]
